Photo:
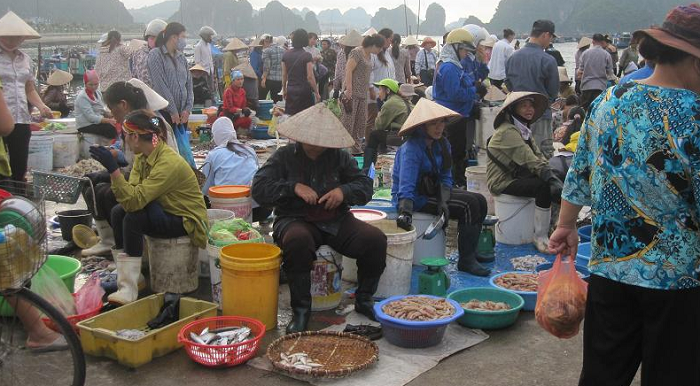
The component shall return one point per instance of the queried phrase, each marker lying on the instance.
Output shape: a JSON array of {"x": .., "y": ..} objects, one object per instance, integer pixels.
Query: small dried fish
[
  {"x": 526, "y": 282},
  {"x": 130, "y": 334},
  {"x": 419, "y": 308},
  {"x": 527, "y": 263},
  {"x": 300, "y": 361},
  {"x": 487, "y": 305}
]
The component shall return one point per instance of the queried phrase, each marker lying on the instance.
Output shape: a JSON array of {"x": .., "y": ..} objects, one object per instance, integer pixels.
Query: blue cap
[{"x": 236, "y": 74}]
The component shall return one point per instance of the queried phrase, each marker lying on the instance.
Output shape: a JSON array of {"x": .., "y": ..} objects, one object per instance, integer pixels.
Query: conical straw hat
[
  {"x": 563, "y": 75},
  {"x": 352, "y": 39},
  {"x": 197, "y": 67},
  {"x": 541, "y": 103},
  {"x": 235, "y": 44},
  {"x": 59, "y": 78},
  {"x": 494, "y": 94},
  {"x": 370, "y": 32},
  {"x": 247, "y": 70},
  {"x": 585, "y": 41},
  {"x": 317, "y": 126},
  {"x": 425, "y": 111},
  {"x": 155, "y": 101},
  {"x": 411, "y": 41},
  {"x": 13, "y": 25}
]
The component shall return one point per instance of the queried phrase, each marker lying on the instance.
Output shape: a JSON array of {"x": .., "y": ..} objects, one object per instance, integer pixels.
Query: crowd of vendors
[{"x": 626, "y": 148}]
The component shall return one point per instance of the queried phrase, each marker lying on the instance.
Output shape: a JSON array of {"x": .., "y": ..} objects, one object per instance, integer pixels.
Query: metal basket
[
  {"x": 23, "y": 235},
  {"x": 58, "y": 187}
]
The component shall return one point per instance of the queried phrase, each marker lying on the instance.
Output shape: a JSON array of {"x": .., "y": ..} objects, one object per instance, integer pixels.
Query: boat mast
[{"x": 418, "y": 25}]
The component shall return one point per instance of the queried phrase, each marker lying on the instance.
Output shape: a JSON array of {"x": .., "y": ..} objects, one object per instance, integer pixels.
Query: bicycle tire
[{"x": 74, "y": 346}]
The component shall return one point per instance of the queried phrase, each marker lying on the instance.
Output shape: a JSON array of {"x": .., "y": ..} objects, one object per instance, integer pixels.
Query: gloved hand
[
  {"x": 246, "y": 112},
  {"x": 555, "y": 184},
  {"x": 443, "y": 207},
  {"x": 336, "y": 94},
  {"x": 405, "y": 219},
  {"x": 102, "y": 155},
  {"x": 481, "y": 90}
]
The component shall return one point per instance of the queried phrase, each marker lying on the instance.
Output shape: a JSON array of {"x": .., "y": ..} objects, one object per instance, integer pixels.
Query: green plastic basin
[
  {"x": 488, "y": 320},
  {"x": 66, "y": 268}
]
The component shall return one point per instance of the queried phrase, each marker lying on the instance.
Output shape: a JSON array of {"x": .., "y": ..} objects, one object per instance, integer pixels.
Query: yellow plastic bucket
[{"x": 250, "y": 280}]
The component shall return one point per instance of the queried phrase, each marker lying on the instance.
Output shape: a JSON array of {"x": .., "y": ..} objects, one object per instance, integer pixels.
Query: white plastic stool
[
  {"x": 516, "y": 219},
  {"x": 173, "y": 264}
]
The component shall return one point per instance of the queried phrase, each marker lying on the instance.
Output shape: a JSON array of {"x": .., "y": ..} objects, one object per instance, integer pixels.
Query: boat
[{"x": 623, "y": 41}]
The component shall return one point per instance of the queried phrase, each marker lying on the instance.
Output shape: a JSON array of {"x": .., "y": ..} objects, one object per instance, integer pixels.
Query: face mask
[
  {"x": 181, "y": 44},
  {"x": 151, "y": 42}
]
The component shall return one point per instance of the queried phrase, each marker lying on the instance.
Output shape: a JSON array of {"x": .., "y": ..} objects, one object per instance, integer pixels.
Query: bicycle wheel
[{"x": 22, "y": 366}]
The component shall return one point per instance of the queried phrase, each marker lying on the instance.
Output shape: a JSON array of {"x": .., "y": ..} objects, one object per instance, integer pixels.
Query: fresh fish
[
  {"x": 205, "y": 331},
  {"x": 224, "y": 329},
  {"x": 196, "y": 338}
]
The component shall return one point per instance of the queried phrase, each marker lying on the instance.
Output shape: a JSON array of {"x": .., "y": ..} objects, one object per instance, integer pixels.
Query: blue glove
[{"x": 102, "y": 155}]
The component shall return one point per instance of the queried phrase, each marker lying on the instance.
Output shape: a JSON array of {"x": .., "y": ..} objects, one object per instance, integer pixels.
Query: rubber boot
[
  {"x": 128, "y": 271},
  {"x": 103, "y": 248},
  {"x": 542, "y": 218},
  {"x": 300, "y": 293},
  {"x": 467, "y": 243},
  {"x": 369, "y": 157},
  {"x": 142, "y": 279},
  {"x": 364, "y": 303}
]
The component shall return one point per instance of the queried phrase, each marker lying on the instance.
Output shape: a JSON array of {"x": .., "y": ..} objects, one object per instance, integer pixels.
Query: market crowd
[{"x": 620, "y": 135}]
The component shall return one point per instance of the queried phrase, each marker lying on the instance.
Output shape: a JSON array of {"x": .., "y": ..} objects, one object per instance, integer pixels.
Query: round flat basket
[{"x": 341, "y": 354}]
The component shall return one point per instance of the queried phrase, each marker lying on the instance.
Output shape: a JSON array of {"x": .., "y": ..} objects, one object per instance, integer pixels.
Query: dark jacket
[
  {"x": 273, "y": 185},
  {"x": 532, "y": 69}
]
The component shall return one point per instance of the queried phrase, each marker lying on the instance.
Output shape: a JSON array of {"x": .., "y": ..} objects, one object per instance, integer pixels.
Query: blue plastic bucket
[
  {"x": 584, "y": 254},
  {"x": 584, "y": 233}
]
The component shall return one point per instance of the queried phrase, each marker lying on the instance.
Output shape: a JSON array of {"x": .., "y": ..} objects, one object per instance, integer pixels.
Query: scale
[
  {"x": 487, "y": 240},
  {"x": 434, "y": 280}
]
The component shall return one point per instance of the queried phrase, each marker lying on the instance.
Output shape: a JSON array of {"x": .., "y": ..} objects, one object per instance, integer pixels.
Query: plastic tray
[
  {"x": 260, "y": 132},
  {"x": 98, "y": 334},
  {"x": 409, "y": 334}
]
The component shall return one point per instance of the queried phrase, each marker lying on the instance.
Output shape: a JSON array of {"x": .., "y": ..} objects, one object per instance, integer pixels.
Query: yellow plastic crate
[{"x": 98, "y": 334}]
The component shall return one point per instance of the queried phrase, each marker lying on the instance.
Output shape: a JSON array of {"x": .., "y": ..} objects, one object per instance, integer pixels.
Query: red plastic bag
[
  {"x": 561, "y": 299},
  {"x": 89, "y": 297}
]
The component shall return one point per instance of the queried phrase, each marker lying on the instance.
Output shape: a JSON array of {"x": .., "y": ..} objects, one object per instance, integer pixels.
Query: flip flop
[{"x": 59, "y": 344}]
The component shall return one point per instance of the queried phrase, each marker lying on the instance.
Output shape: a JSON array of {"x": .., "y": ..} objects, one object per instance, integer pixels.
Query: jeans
[
  {"x": 533, "y": 187},
  {"x": 129, "y": 228}
]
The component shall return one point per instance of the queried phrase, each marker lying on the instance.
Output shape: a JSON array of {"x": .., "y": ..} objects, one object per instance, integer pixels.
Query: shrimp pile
[
  {"x": 526, "y": 282},
  {"x": 487, "y": 305},
  {"x": 419, "y": 309}
]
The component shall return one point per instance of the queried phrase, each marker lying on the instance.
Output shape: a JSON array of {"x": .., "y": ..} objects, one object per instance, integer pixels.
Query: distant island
[{"x": 238, "y": 17}]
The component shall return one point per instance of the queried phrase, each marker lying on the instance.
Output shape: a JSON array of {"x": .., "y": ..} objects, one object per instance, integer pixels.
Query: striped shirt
[
  {"x": 272, "y": 62},
  {"x": 171, "y": 79},
  {"x": 425, "y": 60}
]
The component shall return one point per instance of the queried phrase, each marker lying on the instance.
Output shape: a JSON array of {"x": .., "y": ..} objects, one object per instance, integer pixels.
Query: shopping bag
[
  {"x": 561, "y": 299},
  {"x": 89, "y": 296},
  {"x": 49, "y": 286},
  {"x": 183, "y": 143}
]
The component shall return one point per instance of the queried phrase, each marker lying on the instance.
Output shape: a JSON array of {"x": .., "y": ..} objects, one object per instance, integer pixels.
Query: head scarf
[
  {"x": 236, "y": 74},
  {"x": 450, "y": 55},
  {"x": 131, "y": 128},
  {"x": 90, "y": 75},
  {"x": 224, "y": 134}
]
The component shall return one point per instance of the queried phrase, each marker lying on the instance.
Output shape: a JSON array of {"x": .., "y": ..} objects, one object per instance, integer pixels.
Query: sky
[{"x": 455, "y": 9}]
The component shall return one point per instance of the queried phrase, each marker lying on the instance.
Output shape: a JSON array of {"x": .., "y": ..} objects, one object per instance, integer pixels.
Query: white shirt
[
  {"x": 203, "y": 57},
  {"x": 502, "y": 51},
  {"x": 381, "y": 71}
]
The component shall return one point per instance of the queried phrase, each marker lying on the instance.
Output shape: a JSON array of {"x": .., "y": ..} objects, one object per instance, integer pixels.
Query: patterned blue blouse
[{"x": 638, "y": 167}]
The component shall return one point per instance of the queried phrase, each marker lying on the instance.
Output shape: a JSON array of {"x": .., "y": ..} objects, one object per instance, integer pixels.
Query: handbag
[{"x": 427, "y": 75}]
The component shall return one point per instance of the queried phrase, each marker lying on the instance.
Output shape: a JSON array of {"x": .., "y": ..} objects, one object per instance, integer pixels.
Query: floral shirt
[
  {"x": 113, "y": 66},
  {"x": 638, "y": 167}
]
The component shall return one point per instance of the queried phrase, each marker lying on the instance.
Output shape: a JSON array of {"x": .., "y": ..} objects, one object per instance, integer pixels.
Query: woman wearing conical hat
[
  {"x": 422, "y": 181},
  {"x": 19, "y": 87},
  {"x": 516, "y": 166},
  {"x": 312, "y": 184},
  {"x": 53, "y": 96}
]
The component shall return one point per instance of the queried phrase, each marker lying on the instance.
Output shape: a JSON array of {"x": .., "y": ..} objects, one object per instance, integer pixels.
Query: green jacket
[
  {"x": 164, "y": 176},
  {"x": 393, "y": 114},
  {"x": 508, "y": 147}
]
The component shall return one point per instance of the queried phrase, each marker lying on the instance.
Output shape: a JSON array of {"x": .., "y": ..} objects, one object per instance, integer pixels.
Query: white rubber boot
[
  {"x": 542, "y": 218},
  {"x": 128, "y": 272},
  {"x": 106, "y": 240}
]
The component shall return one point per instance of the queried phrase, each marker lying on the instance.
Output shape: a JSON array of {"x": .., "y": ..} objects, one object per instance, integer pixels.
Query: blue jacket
[
  {"x": 411, "y": 163},
  {"x": 478, "y": 70},
  {"x": 257, "y": 63},
  {"x": 454, "y": 88}
]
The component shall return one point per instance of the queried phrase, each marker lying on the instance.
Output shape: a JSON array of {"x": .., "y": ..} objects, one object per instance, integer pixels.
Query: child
[{"x": 235, "y": 103}]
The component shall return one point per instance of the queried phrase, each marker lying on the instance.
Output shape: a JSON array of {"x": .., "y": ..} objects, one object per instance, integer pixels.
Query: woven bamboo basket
[{"x": 341, "y": 354}]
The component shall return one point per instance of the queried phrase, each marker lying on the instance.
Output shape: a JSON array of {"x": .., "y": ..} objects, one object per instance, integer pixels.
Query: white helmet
[
  {"x": 207, "y": 31},
  {"x": 155, "y": 27},
  {"x": 479, "y": 33}
]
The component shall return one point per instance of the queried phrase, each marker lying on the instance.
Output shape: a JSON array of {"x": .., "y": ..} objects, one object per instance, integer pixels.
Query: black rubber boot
[
  {"x": 369, "y": 157},
  {"x": 467, "y": 243},
  {"x": 300, "y": 292},
  {"x": 364, "y": 303}
]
